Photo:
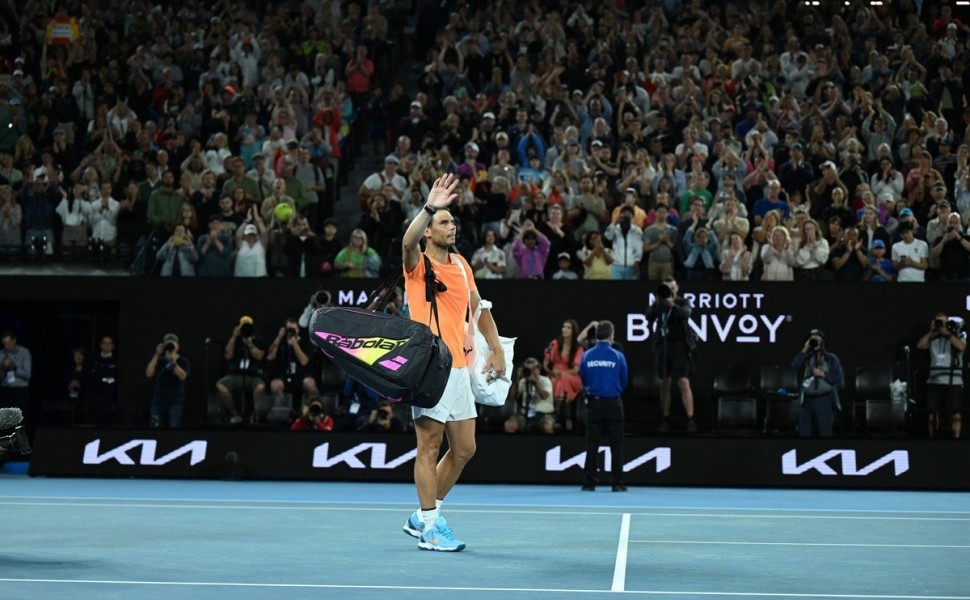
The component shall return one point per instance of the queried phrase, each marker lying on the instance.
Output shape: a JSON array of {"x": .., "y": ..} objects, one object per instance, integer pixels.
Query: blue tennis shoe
[
  {"x": 440, "y": 538},
  {"x": 414, "y": 526}
]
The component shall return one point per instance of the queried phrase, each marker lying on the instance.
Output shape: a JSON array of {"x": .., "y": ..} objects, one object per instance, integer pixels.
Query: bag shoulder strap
[
  {"x": 429, "y": 292},
  {"x": 379, "y": 298}
]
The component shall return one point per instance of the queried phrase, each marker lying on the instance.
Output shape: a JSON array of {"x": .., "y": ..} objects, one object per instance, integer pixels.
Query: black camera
[
  {"x": 528, "y": 371},
  {"x": 664, "y": 292},
  {"x": 247, "y": 330},
  {"x": 169, "y": 346},
  {"x": 315, "y": 410},
  {"x": 290, "y": 333},
  {"x": 383, "y": 414},
  {"x": 950, "y": 325},
  {"x": 322, "y": 298},
  {"x": 814, "y": 344}
]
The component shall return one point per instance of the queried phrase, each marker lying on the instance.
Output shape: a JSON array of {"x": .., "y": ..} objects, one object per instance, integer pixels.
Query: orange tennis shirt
[{"x": 452, "y": 304}]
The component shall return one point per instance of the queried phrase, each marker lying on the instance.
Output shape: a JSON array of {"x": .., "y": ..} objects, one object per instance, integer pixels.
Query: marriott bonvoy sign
[{"x": 735, "y": 317}]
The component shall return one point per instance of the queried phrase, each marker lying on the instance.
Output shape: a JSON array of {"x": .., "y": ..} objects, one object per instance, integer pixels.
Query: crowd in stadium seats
[{"x": 735, "y": 141}]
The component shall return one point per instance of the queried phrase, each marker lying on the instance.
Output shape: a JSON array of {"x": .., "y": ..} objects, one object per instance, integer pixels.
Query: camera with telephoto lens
[
  {"x": 322, "y": 298},
  {"x": 169, "y": 347},
  {"x": 664, "y": 292},
  {"x": 246, "y": 330},
  {"x": 290, "y": 332},
  {"x": 315, "y": 409},
  {"x": 814, "y": 344},
  {"x": 383, "y": 413},
  {"x": 949, "y": 325}
]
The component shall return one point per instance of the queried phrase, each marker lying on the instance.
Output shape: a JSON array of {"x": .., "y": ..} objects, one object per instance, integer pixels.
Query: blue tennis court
[{"x": 86, "y": 538}]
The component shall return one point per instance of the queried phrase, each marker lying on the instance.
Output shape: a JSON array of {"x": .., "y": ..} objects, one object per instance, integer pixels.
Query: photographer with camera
[
  {"x": 318, "y": 299},
  {"x": 533, "y": 401},
  {"x": 170, "y": 370},
  {"x": 673, "y": 347},
  {"x": 381, "y": 420},
  {"x": 945, "y": 342},
  {"x": 819, "y": 375},
  {"x": 314, "y": 417},
  {"x": 245, "y": 352},
  {"x": 289, "y": 359}
]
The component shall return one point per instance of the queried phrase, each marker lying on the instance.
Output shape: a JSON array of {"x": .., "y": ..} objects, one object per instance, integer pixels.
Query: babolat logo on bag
[
  {"x": 398, "y": 358},
  {"x": 368, "y": 350}
]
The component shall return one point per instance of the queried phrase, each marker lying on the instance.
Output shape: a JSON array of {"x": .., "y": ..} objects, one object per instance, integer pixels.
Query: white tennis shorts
[{"x": 457, "y": 402}]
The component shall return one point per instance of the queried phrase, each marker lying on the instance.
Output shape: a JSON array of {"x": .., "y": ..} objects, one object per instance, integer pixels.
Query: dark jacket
[
  {"x": 811, "y": 386},
  {"x": 678, "y": 316}
]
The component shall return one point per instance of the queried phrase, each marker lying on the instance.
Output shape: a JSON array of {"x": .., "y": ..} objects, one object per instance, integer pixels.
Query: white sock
[
  {"x": 428, "y": 517},
  {"x": 438, "y": 503}
]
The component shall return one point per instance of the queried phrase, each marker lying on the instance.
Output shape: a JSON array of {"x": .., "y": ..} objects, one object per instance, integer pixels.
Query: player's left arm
[{"x": 486, "y": 324}]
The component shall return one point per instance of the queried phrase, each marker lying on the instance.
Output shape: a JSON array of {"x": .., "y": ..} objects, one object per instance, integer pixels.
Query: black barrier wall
[
  {"x": 859, "y": 464},
  {"x": 750, "y": 324}
]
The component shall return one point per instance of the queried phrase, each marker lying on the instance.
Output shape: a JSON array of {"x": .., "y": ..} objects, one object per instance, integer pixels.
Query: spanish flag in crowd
[{"x": 62, "y": 30}]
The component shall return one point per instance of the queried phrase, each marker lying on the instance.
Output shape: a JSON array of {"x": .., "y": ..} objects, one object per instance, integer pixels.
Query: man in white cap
[{"x": 375, "y": 182}]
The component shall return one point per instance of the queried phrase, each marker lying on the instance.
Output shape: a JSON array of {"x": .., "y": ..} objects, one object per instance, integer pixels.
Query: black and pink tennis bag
[{"x": 400, "y": 359}]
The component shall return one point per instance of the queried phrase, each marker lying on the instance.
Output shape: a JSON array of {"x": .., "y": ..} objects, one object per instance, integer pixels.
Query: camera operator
[
  {"x": 673, "y": 347},
  {"x": 289, "y": 356},
  {"x": 170, "y": 370},
  {"x": 946, "y": 343},
  {"x": 381, "y": 420},
  {"x": 318, "y": 299},
  {"x": 245, "y": 352},
  {"x": 819, "y": 376},
  {"x": 314, "y": 417},
  {"x": 532, "y": 395}
]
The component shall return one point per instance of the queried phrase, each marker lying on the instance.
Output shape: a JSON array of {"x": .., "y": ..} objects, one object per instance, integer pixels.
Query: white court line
[
  {"x": 619, "y": 571},
  {"x": 827, "y": 544},
  {"x": 497, "y": 510},
  {"x": 479, "y": 589},
  {"x": 406, "y": 504}
]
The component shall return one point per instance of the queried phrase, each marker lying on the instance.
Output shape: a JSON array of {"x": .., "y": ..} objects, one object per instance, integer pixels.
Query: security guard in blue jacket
[{"x": 604, "y": 374}]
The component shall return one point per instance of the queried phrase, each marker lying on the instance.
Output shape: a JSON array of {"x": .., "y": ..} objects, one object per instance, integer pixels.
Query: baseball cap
[
  {"x": 596, "y": 143},
  {"x": 489, "y": 115},
  {"x": 245, "y": 319},
  {"x": 796, "y": 146},
  {"x": 878, "y": 244},
  {"x": 943, "y": 204},
  {"x": 392, "y": 158},
  {"x": 472, "y": 145},
  {"x": 170, "y": 337},
  {"x": 906, "y": 212},
  {"x": 250, "y": 229},
  {"x": 501, "y": 134},
  {"x": 828, "y": 165},
  {"x": 939, "y": 185},
  {"x": 18, "y": 72},
  {"x": 215, "y": 217},
  {"x": 415, "y": 104},
  {"x": 887, "y": 197},
  {"x": 563, "y": 256}
]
